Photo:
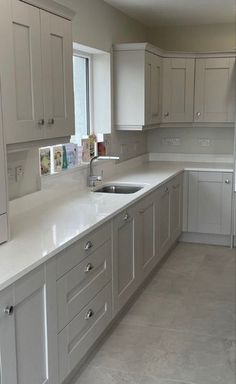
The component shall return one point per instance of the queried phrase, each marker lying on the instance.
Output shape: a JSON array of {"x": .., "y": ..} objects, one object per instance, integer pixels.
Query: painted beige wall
[
  {"x": 194, "y": 38},
  {"x": 99, "y": 25}
]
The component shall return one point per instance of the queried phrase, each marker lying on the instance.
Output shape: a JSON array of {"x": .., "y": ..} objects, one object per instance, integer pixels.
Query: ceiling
[{"x": 155, "y": 13}]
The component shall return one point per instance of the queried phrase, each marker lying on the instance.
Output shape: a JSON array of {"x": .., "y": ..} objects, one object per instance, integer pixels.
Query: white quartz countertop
[{"x": 46, "y": 222}]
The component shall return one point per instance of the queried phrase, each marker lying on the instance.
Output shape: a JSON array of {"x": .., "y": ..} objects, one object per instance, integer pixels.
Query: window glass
[{"x": 81, "y": 98}]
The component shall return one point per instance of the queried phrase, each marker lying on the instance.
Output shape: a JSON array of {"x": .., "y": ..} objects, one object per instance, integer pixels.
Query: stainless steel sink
[{"x": 121, "y": 189}]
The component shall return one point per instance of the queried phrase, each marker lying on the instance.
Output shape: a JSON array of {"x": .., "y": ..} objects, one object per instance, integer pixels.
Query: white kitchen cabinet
[
  {"x": 178, "y": 90},
  {"x": 210, "y": 202},
  {"x": 176, "y": 199},
  {"x": 215, "y": 90},
  {"x": 137, "y": 89},
  {"x": 125, "y": 266},
  {"x": 153, "y": 88},
  {"x": 37, "y": 89},
  {"x": 146, "y": 236},
  {"x": 57, "y": 55},
  {"x": 23, "y": 332},
  {"x": 163, "y": 218}
]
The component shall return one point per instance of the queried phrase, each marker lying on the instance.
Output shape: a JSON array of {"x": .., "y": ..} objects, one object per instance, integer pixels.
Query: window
[{"x": 81, "y": 68}]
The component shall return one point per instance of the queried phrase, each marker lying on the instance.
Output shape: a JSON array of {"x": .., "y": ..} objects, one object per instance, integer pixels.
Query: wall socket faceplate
[{"x": 171, "y": 141}]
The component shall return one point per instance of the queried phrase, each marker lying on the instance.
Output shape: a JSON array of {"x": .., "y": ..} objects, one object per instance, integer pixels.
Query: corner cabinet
[
  {"x": 137, "y": 88},
  {"x": 36, "y": 73},
  {"x": 215, "y": 90},
  {"x": 24, "y": 332}
]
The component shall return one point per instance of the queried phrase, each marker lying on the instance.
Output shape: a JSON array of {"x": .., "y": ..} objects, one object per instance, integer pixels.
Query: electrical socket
[{"x": 204, "y": 142}]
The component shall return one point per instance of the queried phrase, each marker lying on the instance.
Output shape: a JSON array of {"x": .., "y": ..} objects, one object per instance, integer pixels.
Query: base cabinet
[
  {"x": 124, "y": 257},
  {"x": 176, "y": 217},
  {"x": 210, "y": 202},
  {"x": 23, "y": 332},
  {"x": 146, "y": 236},
  {"x": 163, "y": 232}
]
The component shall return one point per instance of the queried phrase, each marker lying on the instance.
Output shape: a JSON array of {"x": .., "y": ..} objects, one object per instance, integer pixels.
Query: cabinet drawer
[
  {"x": 74, "y": 254},
  {"x": 82, "y": 283},
  {"x": 76, "y": 339}
]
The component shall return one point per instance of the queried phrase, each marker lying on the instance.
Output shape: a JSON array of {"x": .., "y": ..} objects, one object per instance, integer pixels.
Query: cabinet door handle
[
  {"x": 198, "y": 114},
  {"x": 9, "y": 310},
  {"x": 51, "y": 121},
  {"x": 227, "y": 181},
  {"x": 89, "y": 267},
  {"x": 166, "y": 190},
  {"x": 175, "y": 186},
  {"x": 88, "y": 246},
  {"x": 126, "y": 217},
  {"x": 41, "y": 122},
  {"x": 89, "y": 314},
  {"x": 166, "y": 114}
]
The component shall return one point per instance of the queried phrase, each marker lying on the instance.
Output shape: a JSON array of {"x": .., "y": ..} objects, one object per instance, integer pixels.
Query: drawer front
[
  {"x": 76, "y": 339},
  {"x": 74, "y": 254},
  {"x": 82, "y": 283}
]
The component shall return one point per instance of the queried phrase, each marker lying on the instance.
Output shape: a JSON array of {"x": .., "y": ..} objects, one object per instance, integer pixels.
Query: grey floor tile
[{"x": 181, "y": 330}]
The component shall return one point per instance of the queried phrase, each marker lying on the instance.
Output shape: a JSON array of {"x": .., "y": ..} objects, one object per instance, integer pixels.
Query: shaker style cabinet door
[
  {"x": 153, "y": 82},
  {"x": 215, "y": 90},
  {"x": 163, "y": 214},
  {"x": 57, "y": 75},
  {"x": 210, "y": 202},
  {"x": 178, "y": 90},
  {"x": 21, "y": 63},
  {"x": 124, "y": 257},
  {"x": 146, "y": 236},
  {"x": 176, "y": 207},
  {"x": 23, "y": 332}
]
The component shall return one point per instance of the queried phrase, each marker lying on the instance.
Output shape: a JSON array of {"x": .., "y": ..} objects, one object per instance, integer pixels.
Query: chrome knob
[
  {"x": 166, "y": 114},
  {"x": 88, "y": 246},
  {"x": 51, "y": 121},
  {"x": 88, "y": 268},
  {"x": 89, "y": 314},
  {"x": 126, "y": 217},
  {"x": 166, "y": 190},
  {"x": 227, "y": 181},
  {"x": 41, "y": 122},
  {"x": 9, "y": 310},
  {"x": 198, "y": 114}
]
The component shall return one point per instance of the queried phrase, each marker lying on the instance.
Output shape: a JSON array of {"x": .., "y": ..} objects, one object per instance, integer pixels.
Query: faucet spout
[{"x": 92, "y": 178}]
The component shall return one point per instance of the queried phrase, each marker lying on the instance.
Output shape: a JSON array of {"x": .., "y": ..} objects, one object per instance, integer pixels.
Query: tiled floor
[{"x": 181, "y": 330}]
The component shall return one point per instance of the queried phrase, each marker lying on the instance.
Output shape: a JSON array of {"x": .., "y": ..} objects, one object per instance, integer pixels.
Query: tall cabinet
[{"x": 36, "y": 66}]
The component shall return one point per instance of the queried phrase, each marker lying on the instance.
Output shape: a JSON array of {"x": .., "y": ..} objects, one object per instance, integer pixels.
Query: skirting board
[{"x": 203, "y": 238}]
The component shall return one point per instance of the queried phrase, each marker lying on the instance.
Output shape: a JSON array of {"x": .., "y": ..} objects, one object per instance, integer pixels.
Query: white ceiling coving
[{"x": 155, "y": 13}]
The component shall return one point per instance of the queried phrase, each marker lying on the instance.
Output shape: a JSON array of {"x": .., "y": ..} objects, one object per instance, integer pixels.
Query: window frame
[{"x": 89, "y": 88}]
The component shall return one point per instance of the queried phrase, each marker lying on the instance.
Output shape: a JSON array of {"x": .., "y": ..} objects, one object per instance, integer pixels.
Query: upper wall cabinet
[
  {"x": 215, "y": 90},
  {"x": 36, "y": 69},
  {"x": 137, "y": 88},
  {"x": 178, "y": 90}
]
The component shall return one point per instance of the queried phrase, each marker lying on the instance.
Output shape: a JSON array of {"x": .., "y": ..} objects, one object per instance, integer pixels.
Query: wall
[
  {"x": 216, "y": 37},
  {"x": 192, "y": 140}
]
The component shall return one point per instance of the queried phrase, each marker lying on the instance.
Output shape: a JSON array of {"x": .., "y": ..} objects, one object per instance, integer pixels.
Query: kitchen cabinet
[
  {"x": 169, "y": 214},
  {"x": 24, "y": 339},
  {"x": 37, "y": 87},
  {"x": 83, "y": 283},
  {"x": 215, "y": 90},
  {"x": 178, "y": 90},
  {"x": 163, "y": 219},
  {"x": 176, "y": 200},
  {"x": 210, "y": 202},
  {"x": 125, "y": 266},
  {"x": 137, "y": 88},
  {"x": 146, "y": 236}
]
